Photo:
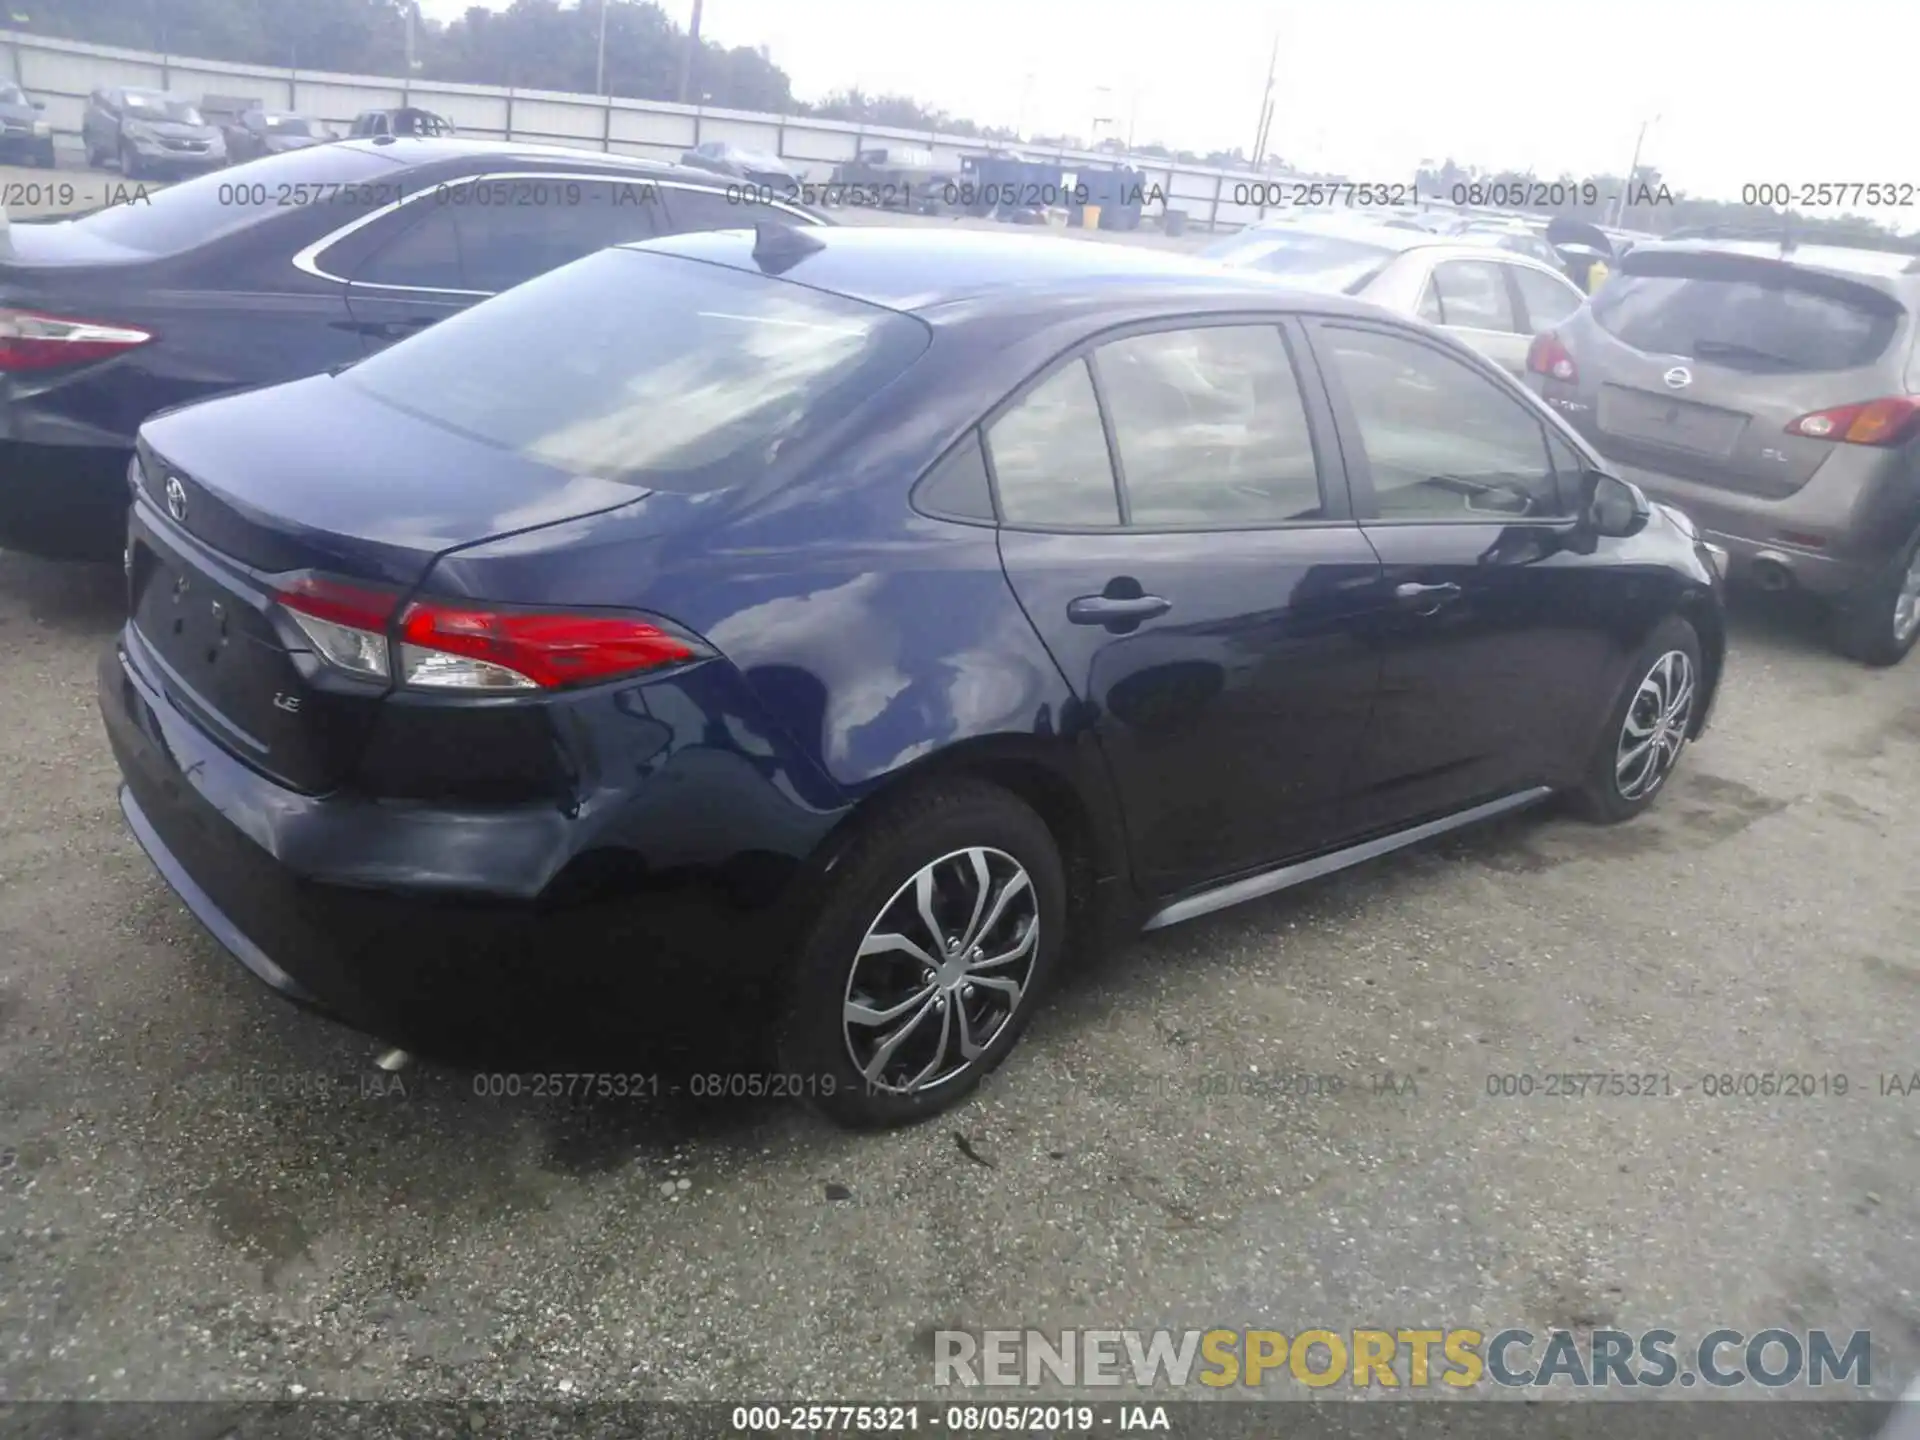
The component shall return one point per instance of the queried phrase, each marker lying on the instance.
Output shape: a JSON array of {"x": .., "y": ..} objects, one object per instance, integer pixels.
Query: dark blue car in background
[{"x": 850, "y": 619}]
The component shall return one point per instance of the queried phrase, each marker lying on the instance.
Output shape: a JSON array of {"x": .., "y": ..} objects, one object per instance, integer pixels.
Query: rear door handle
[
  {"x": 1425, "y": 599},
  {"x": 1116, "y": 612}
]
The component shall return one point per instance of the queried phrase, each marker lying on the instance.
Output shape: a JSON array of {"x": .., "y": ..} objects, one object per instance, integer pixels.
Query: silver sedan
[{"x": 1494, "y": 299}]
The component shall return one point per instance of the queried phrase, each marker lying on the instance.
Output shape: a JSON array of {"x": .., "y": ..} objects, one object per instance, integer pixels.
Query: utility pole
[
  {"x": 600, "y": 64},
  {"x": 1266, "y": 106},
  {"x": 1633, "y": 168},
  {"x": 686, "y": 58}
]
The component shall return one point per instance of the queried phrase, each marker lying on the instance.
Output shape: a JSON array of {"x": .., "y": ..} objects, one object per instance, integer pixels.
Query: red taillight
[
  {"x": 444, "y": 645},
  {"x": 30, "y": 340},
  {"x": 460, "y": 647},
  {"x": 1547, "y": 356},
  {"x": 1886, "y": 421}
]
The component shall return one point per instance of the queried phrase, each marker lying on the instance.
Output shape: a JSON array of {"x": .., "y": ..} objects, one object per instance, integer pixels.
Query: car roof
[
  {"x": 426, "y": 149},
  {"x": 1846, "y": 260},
  {"x": 921, "y": 271},
  {"x": 1465, "y": 245}
]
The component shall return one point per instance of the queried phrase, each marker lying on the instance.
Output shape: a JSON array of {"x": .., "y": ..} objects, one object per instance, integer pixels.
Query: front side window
[
  {"x": 1049, "y": 455},
  {"x": 1210, "y": 427},
  {"x": 647, "y": 368},
  {"x": 1442, "y": 441}
]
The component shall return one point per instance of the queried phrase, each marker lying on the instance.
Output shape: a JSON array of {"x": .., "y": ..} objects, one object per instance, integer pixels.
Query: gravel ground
[{"x": 207, "y": 1194}]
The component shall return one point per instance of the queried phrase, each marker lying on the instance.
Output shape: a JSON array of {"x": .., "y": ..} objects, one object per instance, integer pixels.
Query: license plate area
[{"x": 1669, "y": 421}]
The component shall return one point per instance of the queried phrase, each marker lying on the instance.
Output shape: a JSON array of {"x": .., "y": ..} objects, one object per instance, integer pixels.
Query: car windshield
[
  {"x": 1777, "y": 323},
  {"x": 1327, "y": 263},
  {"x": 647, "y": 368},
  {"x": 290, "y": 125},
  {"x": 208, "y": 206},
  {"x": 162, "y": 107}
]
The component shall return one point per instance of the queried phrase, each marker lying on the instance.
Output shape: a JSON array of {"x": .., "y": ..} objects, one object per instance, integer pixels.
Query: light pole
[
  {"x": 687, "y": 55},
  {"x": 1020, "y": 120},
  {"x": 1633, "y": 168},
  {"x": 600, "y": 63}
]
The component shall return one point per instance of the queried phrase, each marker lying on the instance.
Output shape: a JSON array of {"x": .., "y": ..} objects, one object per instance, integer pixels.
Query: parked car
[
  {"x": 25, "y": 134},
  {"x": 893, "y": 177},
  {"x": 149, "y": 132},
  {"x": 795, "y": 609},
  {"x": 753, "y": 167},
  {"x": 1774, "y": 395},
  {"x": 1492, "y": 298},
  {"x": 219, "y": 283},
  {"x": 259, "y": 131},
  {"x": 408, "y": 120}
]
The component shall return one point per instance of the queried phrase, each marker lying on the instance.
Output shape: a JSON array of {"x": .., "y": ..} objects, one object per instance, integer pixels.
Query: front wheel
[
  {"x": 921, "y": 968},
  {"x": 1647, "y": 727},
  {"x": 1880, "y": 624}
]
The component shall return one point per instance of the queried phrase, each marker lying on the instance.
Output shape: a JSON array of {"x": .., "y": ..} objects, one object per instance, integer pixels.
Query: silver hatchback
[{"x": 1774, "y": 395}]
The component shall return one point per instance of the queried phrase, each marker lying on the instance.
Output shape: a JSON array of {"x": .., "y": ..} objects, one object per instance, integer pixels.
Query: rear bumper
[
  {"x": 1755, "y": 531},
  {"x": 435, "y": 967},
  {"x": 66, "y": 502}
]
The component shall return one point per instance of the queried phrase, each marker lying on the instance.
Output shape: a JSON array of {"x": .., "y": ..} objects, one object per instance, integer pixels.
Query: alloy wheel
[
  {"x": 1906, "y": 603},
  {"x": 941, "y": 971},
  {"x": 1655, "y": 728}
]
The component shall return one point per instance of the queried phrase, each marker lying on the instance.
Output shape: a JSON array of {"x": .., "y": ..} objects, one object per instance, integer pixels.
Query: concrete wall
[{"x": 62, "y": 72}]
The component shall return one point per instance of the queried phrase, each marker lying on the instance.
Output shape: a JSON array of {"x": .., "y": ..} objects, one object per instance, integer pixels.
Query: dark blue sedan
[{"x": 857, "y": 617}]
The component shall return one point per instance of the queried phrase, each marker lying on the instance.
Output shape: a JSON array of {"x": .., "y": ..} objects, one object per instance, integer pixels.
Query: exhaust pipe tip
[{"x": 1771, "y": 571}]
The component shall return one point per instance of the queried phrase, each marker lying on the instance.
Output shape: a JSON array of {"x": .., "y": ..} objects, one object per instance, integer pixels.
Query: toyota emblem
[
  {"x": 1678, "y": 378},
  {"x": 176, "y": 499}
]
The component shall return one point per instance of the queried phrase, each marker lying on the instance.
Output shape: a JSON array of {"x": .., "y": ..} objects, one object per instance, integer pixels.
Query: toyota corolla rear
[
  {"x": 354, "y": 739},
  {"x": 1776, "y": 400}
]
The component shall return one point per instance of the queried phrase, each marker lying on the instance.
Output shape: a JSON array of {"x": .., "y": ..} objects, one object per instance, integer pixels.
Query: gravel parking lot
[{"x": 205, "y": 1193}]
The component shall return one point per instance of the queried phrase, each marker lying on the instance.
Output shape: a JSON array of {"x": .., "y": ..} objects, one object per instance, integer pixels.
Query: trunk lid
[
  {"x": 249, "y": 490},
  {"x": 1699, "y": 362}
]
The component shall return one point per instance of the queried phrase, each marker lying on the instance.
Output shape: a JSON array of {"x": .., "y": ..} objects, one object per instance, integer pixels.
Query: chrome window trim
[{"x": 307, "y": 261}]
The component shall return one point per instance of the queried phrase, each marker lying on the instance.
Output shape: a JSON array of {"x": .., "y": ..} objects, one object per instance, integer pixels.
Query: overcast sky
[{"x": 1369, "y": 88}]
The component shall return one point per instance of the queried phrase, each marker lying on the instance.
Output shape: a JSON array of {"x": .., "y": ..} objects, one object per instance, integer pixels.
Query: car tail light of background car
[
  {"x": 30, "y": 340},
  {"x": 1887, "y": 421},
  {"x": 1547, "y": 356},
  {"x": 473, "y": 646}
]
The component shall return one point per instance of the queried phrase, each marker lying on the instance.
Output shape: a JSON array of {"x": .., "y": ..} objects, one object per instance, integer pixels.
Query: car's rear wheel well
[{"x": 1086, "y": 855}]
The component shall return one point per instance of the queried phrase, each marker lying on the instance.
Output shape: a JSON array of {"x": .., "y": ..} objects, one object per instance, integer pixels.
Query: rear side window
[
  {"x": 490, "y": 235},
  {"x": 647, "y": 368},
  {"x": 1472, "y": 294},
  {"x": 1210, "y": 427},
  {"x": 1763, "y": 321},
  {"x": 1548, "y": 302},
  {"x": 188, "y": 214},
  {"x": 1050, "y": 455}
]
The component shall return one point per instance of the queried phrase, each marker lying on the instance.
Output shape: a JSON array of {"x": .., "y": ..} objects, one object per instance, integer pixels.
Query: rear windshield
[
  {"x": 664, "y": 372},
  {"x": 1771, "y": 321},
  {"x": 162, "y": 107},
  {"x": 1327, "y": 263},
  {"x": 165, "y": 222}
]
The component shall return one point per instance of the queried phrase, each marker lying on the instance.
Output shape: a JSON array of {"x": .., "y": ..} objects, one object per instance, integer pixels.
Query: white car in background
[{"x": 1492, "y": 298}]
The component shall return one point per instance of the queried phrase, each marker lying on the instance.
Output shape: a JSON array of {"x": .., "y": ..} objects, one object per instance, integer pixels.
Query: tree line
[{"x": 544, "y": 45}]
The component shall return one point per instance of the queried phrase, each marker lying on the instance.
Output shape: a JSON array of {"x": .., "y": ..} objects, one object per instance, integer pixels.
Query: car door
[
  {"x": 1174, "y": 520},
  {"x": 475, "y": 236},
  {"x": 1470, "y": 299},
  {"x": 1503, "y": 622}
]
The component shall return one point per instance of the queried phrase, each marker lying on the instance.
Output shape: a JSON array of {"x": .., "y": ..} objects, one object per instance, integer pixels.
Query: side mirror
[
  {"x": 1614, "y": 507},
  {"x": 39, "y": 104}
]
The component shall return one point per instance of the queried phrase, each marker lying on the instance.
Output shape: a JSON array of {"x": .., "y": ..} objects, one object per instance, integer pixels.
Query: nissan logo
[
  {"x": 176, "y": 499},
  {"x": 1678, "y": 378}
]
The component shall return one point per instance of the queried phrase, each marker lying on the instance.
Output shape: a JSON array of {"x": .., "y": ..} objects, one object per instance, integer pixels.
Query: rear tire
[
  {"x": 1878, "y": 625},
  {"x": 940, "y": 928},
  {"x": 1640, "y": 745}
]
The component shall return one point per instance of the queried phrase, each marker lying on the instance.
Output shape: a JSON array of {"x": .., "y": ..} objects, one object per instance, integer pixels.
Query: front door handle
[
  {"x": 1117, "y": 613},
  {"x": 1425, "y": 599}
]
